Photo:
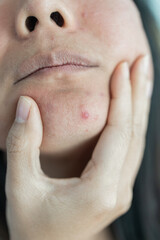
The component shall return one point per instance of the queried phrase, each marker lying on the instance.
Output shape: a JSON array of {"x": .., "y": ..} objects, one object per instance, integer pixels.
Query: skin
[
  {"x": 109, "y": 30},
  {"x": 83, "y": 206},
  {"x": 117, "y": 29},
  {"x": 74, "y": 110}
]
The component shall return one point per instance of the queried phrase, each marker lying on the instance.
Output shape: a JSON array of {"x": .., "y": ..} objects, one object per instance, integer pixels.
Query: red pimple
[
  {"x": 83, "y": 14},
  {"x": 102, "y": 94},
  {"x": 85, "y": 115},
  {"x": 88, "y": 93}
]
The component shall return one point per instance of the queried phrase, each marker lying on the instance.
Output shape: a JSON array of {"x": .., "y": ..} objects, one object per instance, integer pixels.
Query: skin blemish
[
  {"x": 83, "y": 14},
  {"x": 102, "y": 94},
  {"x": 85, "y": 115},
  {"x": 96, "y": 117},
  {"x": 88, "y": 93}
]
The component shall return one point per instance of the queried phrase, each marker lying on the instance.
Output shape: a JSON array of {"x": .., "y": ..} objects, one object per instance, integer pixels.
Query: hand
[{"x": 39, "y": 207}]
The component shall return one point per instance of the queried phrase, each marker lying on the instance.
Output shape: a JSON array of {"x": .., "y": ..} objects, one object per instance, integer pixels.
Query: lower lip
[
  {"x": 64, "y": 68},
  {"x": 60, "y": 69}
]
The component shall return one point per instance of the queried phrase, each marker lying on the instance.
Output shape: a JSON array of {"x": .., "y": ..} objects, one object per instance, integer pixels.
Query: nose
[
  {"x": 32, "y": 21},
  {"x": 46, "y": 14}
]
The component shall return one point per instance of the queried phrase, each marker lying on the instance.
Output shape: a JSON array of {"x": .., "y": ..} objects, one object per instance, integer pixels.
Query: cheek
[
  {"x": 117, "y": 27},
  {"x": 69, "y": 117},
  {"x": 6, "y": 27}
]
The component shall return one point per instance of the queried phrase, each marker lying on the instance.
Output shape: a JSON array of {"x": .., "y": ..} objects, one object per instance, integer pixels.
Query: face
[{"x": 74, "y": 106}]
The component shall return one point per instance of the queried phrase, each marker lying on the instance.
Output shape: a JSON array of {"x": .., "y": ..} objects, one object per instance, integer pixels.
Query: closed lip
[{"x": 51, "y": 59}]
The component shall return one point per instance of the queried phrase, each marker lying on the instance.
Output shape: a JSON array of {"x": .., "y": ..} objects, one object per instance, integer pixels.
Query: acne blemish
[
  {"x": 102, "y": 94},
  {"x": 88, "y": 93},
  {"x": 83, "y": 14},
  {"x": 96, "y": 117},
  {"x": 85, "y": 115}
]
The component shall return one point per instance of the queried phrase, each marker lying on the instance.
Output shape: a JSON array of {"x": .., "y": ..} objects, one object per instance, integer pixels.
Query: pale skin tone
[{"x": 107, "y": 31}]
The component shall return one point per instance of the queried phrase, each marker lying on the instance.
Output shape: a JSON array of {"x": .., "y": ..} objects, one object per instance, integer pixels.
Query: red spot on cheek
[
  {"x": 88, "y": 93},
  {"x": 85, "y": 115},
  {"x": 83, "y": 14},
  {"x": 96, "y": 117},
  {"x": 102, "y": 94}
]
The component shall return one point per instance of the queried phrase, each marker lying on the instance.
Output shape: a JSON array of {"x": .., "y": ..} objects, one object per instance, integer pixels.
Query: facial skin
[{"x": 74, "y": 107}]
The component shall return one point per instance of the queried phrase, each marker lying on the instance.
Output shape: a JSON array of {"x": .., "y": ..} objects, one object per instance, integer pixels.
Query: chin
[
  {"x": 70, "y": 119},
  {"x": 71, "y": 138}
]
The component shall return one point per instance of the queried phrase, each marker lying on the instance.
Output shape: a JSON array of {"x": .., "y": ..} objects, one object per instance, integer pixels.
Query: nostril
[
  {"x": 31, "y": 23},
  {"x": 56, "y": 16}
]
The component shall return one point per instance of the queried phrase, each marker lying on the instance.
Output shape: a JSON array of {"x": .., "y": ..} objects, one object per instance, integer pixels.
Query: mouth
[
  {"x": 57, "y": 62},
  {"x": 65, "y": 68}
]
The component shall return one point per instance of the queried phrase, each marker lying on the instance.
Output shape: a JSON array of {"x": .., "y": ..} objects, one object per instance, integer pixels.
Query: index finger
[{"x": 110, "y": 152}]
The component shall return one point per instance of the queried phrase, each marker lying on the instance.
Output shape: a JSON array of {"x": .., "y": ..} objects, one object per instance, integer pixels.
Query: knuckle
[
  {"x": 101, "y": 197},
  {"x": 15, "y": 143},
  {"x": 106, "y": 202},
  {"x": 125, "y": 133},
  {"x": 110, "y": 202},
  {"x": 103, "y": 206},
  {"x": 14, "y": 146}
]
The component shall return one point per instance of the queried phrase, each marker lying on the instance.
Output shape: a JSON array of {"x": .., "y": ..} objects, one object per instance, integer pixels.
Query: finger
[
  {"x": 23, "y": 142},
  {"x": 140, "y": 77},
  {"x": 149, "y": 91},
  {"x": 110, "y": 152},
  {"x": 24, "y": 173}
]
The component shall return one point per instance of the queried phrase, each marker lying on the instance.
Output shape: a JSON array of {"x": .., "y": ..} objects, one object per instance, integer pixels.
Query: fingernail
[
  {"x": 125, "y": 69},
  {"x": 149, "y": 89},
  {"x": 145, "y": 64},
  {"x": 22, "y": 110}
]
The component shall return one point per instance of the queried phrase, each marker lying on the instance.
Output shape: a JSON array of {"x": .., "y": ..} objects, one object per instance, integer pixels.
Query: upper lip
[{"x": 51, "y": 59}]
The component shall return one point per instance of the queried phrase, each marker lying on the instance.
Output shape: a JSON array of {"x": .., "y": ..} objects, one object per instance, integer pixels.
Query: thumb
[{"x": 23, "y": 142}]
